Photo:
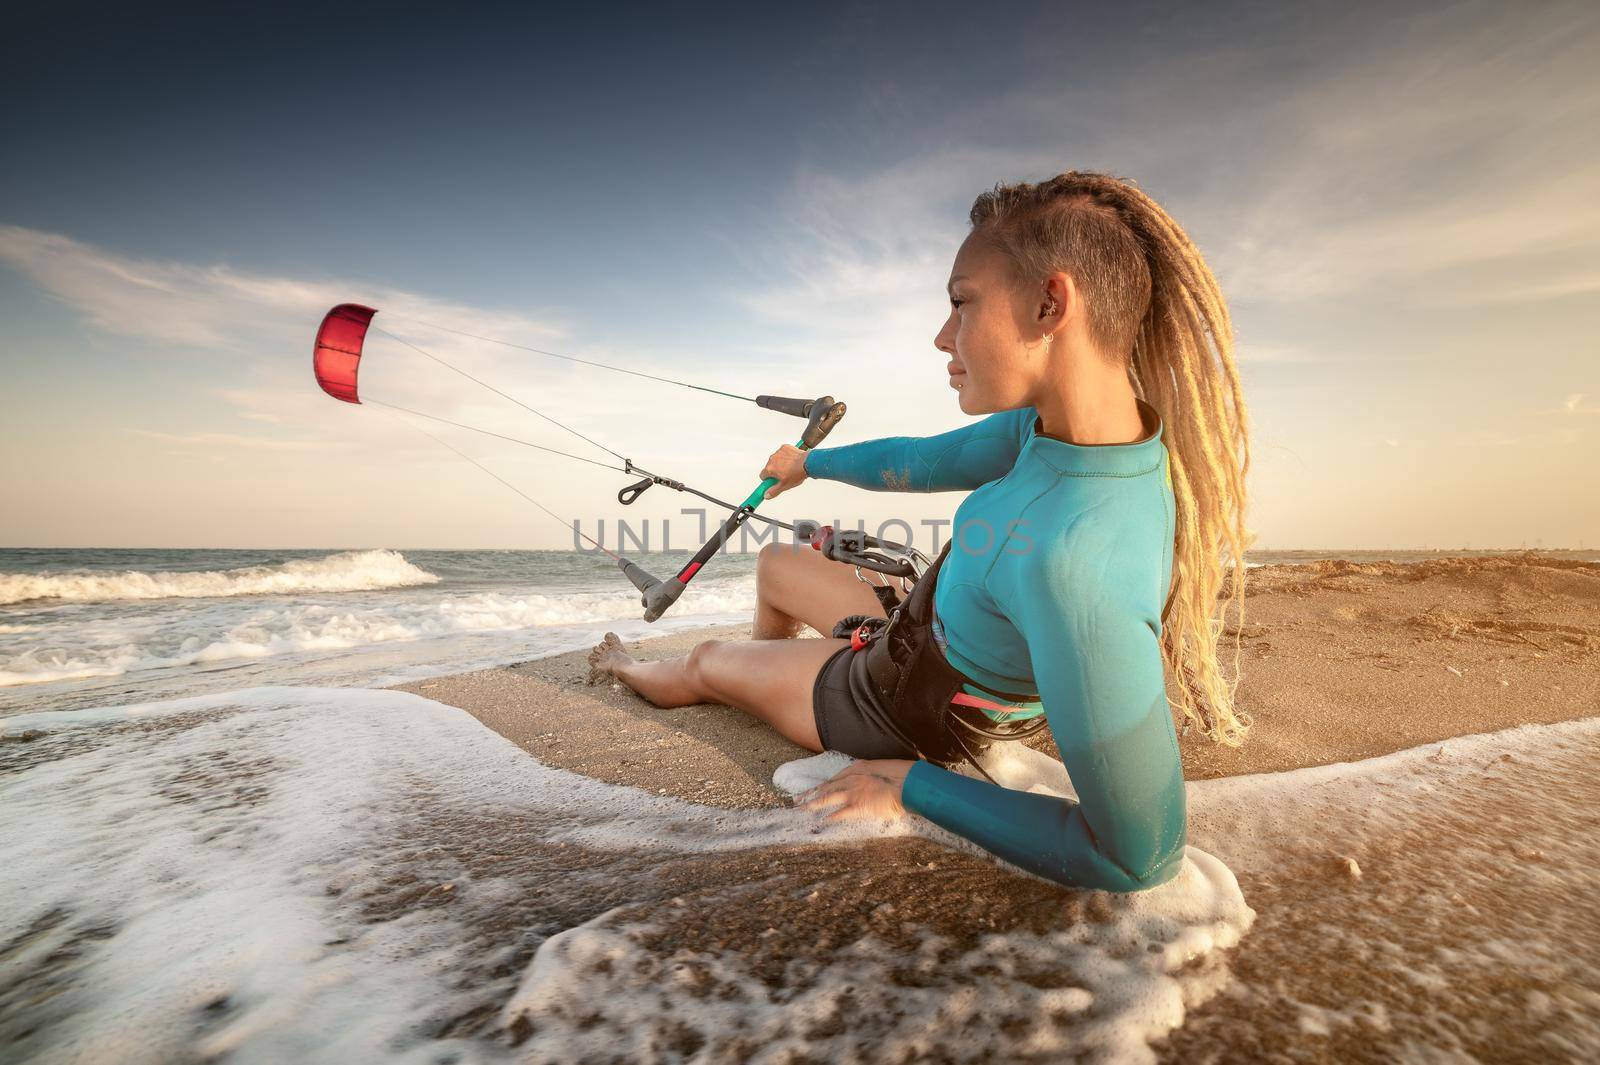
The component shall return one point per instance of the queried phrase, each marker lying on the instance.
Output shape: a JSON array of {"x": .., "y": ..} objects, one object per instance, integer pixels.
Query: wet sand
[{"x": 1339, "y": 661}]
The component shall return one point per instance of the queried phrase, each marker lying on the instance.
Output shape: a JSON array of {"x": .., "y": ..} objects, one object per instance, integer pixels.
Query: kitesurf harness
[
  {"x": 336, "y": 361},
  {"x": 922, "y": 695},
  {"x": 927, "y": 706}
]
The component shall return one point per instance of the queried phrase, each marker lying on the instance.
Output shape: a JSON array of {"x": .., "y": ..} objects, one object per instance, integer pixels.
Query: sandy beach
[
  {"x": 1340, "y": 661},
  {"x": 1398, "y": 865}
]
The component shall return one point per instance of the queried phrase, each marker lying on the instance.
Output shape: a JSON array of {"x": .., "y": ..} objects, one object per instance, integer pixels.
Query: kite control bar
[
  {"x": 800, "y": 408},
  {"x": 657, "y": 595}
]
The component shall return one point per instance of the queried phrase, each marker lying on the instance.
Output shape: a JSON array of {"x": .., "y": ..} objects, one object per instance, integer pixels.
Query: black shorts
[{"x": 850, "y": 718}]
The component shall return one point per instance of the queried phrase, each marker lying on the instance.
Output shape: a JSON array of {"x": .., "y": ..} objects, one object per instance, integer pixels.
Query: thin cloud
[
  {"x": 216, "y": 305},
  {"x": 1440, "y": 158},
  {"x": 1440, "y": 165},
  {"x": 1549, "y": 436},
  {"x": 225, "y": 440},
  {"x": 263, "y": 325},
  {"x": 1574, "y": 404}
]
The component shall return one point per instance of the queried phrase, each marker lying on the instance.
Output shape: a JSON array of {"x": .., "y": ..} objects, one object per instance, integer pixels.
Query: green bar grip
[{"x": 755, "y": 498}]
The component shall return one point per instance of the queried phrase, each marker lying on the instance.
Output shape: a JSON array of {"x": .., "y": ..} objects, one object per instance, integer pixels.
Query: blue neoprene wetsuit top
[{"x": 1055, "y": 585}]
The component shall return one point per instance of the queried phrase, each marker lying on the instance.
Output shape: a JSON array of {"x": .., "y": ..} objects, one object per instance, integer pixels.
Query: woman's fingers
[
  {"x": 824, "y": 799},
  {"x": 834, "y": 790},
  {"x": 787, "y": 466}
]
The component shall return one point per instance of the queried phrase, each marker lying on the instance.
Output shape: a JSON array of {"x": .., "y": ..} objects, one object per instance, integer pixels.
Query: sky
[{"x": 1398, "y": 200}]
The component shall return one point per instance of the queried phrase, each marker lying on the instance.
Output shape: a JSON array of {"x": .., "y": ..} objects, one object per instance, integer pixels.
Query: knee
[
  {"x": 775, "y": 563},
  {"x": 698, "y": 666},
  {"x": 769, "y": 561}
]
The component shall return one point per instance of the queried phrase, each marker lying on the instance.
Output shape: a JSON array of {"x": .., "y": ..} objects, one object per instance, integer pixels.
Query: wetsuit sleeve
[
  {"x": 962, "y": 459},
  {"x": 1097, "y": 661}
]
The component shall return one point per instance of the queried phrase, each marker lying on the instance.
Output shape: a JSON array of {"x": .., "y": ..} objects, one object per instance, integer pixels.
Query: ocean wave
[
  {"x": 348, "y": 571},
  {"x": 110, "y": 648}
]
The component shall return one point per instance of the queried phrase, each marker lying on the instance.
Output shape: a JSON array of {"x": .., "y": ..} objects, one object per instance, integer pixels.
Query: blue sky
[{"x": 1397, "y": 198}]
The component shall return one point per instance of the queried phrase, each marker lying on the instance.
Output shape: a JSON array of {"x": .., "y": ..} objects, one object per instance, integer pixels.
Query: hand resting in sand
[{"x": 861, "y": 789}]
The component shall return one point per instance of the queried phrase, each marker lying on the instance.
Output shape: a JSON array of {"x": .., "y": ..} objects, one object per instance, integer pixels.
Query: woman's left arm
[{"x": 1096, "y": 657}]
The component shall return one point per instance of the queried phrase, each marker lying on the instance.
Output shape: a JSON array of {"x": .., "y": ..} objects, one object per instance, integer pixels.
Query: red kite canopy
[{"x": 337, "y": 355}]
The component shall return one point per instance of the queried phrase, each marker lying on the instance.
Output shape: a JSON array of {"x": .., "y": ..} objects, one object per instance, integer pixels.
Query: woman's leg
[
  {"x": 768, "y": 679},
  {"x": 796, "y": 586}
]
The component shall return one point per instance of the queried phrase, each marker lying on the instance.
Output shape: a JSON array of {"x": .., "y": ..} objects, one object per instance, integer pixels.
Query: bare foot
[{"x": 606, "y": 658}]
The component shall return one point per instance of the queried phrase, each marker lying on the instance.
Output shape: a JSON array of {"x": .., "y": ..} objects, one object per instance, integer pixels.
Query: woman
[{"x": 1088, "y": 327}]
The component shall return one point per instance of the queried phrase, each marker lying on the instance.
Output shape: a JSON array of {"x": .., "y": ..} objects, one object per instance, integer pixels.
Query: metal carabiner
[{"x": 860, "y": 577}]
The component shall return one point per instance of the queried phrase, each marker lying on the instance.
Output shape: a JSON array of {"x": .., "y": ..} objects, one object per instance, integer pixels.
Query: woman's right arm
[
  {"x": 959, "y": 460},
  {"x": 1095, "y": 648}
]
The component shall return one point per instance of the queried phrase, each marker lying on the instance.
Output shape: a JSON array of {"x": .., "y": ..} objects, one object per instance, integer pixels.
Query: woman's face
[{"x": 995, "y": 364}]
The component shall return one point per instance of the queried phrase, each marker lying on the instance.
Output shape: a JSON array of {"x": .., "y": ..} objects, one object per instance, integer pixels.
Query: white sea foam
[
  {"x": 74, "y": 648},
  {"x": 263, "y": 876},
  {"x": 211, "y": 858},
  {"x": 331, "y": 875},
  {"x": 348, "y": 571},
  {"x": 1099, "y": 990}
]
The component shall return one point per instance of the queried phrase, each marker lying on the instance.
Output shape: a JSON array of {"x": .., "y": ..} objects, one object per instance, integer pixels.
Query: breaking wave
[
  {"x": 84, "y": 650},
  {"x": 348, "y": 571}
]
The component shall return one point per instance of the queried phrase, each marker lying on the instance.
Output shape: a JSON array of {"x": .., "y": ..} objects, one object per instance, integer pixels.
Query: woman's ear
[{"x": 1057, "y": 292}]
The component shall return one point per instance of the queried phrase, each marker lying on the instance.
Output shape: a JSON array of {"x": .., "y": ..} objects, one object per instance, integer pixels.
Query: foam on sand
[
  {"x": 326, "y": 875},
  {"x": 334, "y": 875},
  {"x": 1102, "y": 986}
]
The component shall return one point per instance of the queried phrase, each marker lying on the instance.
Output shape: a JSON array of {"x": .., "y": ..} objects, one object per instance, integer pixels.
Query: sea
[
  {"x": 88, "y": 628},
  {"x": 222, "y": 838}
]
